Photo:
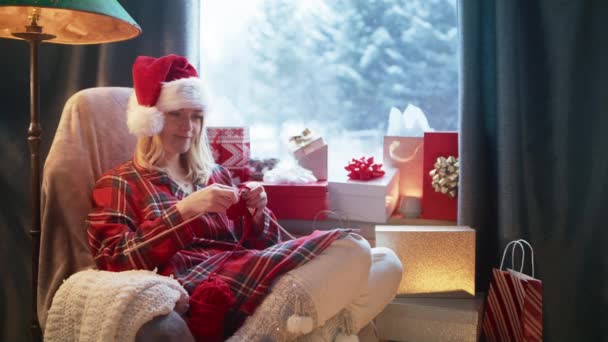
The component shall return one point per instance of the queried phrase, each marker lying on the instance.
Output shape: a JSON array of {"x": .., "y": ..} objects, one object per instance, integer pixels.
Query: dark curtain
[
  {"x": 534, "y": 112},
  {"x": 168, "y": 27}
]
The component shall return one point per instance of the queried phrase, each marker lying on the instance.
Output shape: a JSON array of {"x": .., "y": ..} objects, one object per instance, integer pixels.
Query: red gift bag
[{"x": 514, "y": 309}]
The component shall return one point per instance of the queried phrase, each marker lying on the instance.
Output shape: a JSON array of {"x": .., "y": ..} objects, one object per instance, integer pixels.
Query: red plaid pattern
[{"x": 133, "y": 206}]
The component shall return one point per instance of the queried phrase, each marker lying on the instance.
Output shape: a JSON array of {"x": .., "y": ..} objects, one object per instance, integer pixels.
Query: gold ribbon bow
[
  {"x": 303, "y": 139},
  {"x": 445, "y": 175}
]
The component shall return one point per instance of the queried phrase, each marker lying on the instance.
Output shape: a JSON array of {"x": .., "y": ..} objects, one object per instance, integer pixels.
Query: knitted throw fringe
[
  {"x": 286, "y": 299},
  {"x": 97, "y": 305},
  {"x": 339, "y": 328}
]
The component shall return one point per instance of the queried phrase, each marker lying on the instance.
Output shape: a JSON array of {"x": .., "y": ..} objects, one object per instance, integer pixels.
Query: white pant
[{"x": 350, "y": 274}]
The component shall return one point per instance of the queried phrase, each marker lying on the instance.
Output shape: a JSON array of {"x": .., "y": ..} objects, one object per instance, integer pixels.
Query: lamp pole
[
  {"x": 33, "y": 35},
  {"x": 74, "y": 23}
]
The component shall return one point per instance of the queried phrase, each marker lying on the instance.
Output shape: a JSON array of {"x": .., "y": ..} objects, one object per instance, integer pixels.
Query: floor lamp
[{"x": 74, "y": 22}]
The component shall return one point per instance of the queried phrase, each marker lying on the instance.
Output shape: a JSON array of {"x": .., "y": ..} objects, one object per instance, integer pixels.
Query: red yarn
[
  {"x": 238, "y": 209},
  {"x": 209, "y": 304}
]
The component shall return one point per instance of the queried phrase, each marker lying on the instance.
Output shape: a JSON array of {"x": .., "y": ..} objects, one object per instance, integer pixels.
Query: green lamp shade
[{"x": 71, "y": 21}]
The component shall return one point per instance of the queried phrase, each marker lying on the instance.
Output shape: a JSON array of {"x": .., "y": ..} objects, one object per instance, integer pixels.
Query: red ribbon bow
[{"x": 364, "y": 169}]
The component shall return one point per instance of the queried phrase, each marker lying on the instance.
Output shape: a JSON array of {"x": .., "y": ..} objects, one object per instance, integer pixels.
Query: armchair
[{"x": 92, "y": 137}]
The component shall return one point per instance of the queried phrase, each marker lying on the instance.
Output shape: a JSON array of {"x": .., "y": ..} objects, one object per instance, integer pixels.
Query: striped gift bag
[{"x": 514, "y": 309}]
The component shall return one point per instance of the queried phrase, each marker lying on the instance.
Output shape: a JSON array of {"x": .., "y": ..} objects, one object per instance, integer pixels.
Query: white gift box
[
  {"x": 437, "y": 261},
  {"x": 367, "y": 201},
  {"x": 431, "y": 319},
  {"x": 313, "y": 157}
]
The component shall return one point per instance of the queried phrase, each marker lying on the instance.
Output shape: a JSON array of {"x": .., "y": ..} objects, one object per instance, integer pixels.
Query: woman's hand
[
  {"x": 256, "y": 197},
  {"x": 212, "y": 199}
]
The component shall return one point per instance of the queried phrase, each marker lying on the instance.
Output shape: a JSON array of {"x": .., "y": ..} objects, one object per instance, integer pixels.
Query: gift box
[
  {"x": 437, "y": 261},
  {"x": 313, "y": 157},
  {"x": 406, "y": 155},
  {"x": 431, "y": 319},
  {"x": 438, "y": 205},
  {"x": 298, "y": 201},
  {"x": 230, "y": 147},
  {"x": 367, "y": 201}
]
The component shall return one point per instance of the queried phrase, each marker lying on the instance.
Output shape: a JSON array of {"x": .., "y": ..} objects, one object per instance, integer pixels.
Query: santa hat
[{"x": 161, "y": 85}]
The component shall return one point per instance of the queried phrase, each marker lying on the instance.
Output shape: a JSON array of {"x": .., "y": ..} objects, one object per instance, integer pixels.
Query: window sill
[{"x": 367, "y": 229}]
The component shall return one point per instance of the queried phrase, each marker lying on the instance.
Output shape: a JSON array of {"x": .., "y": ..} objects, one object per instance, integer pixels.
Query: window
[{"x": 334, "y": 66}]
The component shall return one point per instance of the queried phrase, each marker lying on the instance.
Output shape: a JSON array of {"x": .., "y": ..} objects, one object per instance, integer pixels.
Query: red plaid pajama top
[{"x": 133, "y": 208}]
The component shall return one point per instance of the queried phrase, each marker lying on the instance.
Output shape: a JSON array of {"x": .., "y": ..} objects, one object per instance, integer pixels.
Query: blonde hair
[{"x": 198, "y": 160}]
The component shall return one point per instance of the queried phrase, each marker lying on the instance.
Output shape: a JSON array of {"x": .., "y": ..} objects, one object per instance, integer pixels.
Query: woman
[{"x": 173, "y": 209}]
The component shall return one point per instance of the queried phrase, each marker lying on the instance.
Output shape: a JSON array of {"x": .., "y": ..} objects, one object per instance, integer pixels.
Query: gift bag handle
[
  {"x": 519, "y": 243},
  {"x": 531, "y": 253},
  {"x": 504, "y": 254},
  {"x": 393, "y": 147}
]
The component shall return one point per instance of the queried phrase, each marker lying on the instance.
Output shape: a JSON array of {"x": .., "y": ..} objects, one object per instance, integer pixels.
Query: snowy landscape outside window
[{"x": 334, "y": 66}]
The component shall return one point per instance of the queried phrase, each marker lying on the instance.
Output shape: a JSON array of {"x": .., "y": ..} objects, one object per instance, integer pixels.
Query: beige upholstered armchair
[{"x": 91, "y": 138}]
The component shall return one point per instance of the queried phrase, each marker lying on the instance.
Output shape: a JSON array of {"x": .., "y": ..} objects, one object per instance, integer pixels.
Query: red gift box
[
  {"x": 436, "y": 205},
  {"x": 230, "y": 147},
  {"x": 298, "y": 201}
]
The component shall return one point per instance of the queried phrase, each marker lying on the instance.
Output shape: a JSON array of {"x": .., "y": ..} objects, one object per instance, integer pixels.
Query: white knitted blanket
[{"x": 97, "y": 305}]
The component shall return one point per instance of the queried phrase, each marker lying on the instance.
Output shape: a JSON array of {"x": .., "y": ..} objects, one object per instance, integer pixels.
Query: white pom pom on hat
[{"x": 162, "y": 85}]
